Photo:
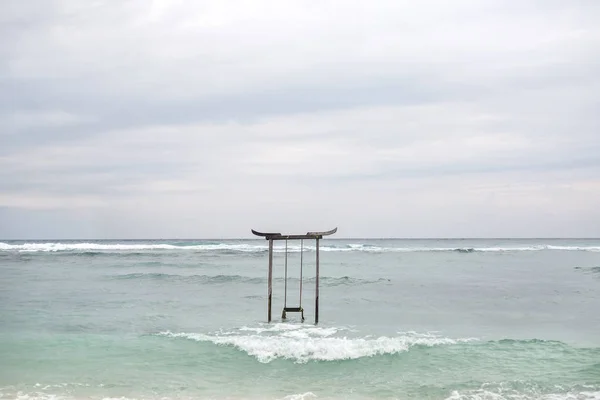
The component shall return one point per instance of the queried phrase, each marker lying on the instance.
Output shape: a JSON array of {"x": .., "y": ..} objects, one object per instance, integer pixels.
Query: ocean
[{"x": 398, "y": 319}]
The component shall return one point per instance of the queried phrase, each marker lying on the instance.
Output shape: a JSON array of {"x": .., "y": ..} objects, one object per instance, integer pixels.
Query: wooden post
[
  {"x": 317, "y": 287},
  {"x": 270, "y": 276}
]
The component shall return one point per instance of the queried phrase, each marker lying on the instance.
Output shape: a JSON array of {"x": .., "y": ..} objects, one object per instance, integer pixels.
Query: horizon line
[{"x": 325, "y": 238}]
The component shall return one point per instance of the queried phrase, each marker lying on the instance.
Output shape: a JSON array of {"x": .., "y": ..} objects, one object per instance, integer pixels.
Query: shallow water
[{"x": 406, "y": 319}]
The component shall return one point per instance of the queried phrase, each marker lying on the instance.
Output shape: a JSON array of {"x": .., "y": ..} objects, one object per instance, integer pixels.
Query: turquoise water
[{"x": 405, "y": 319}]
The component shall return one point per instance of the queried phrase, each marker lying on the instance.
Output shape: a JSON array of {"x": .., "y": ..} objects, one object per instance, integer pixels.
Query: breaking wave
[
  {"x": 529, "y": 392},
  {"x": 486, "y": 392},
  {"x": 92, "y": 249},
  {"x": 303, "y": 344},
  {"x": 117, "y": 247}
]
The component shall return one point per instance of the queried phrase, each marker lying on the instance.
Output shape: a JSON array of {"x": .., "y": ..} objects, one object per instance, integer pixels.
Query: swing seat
[{"x": 292, "y": 309}]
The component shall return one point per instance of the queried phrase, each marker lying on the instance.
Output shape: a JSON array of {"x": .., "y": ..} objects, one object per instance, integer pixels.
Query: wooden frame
[{"x": 278, "y": 236}]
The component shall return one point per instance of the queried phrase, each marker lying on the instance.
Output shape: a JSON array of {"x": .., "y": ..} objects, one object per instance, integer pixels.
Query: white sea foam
[
  {"x": 57, "y": 247},
  {"x": 301, "y": 396},
  {"x": 255, "y": 248},
  {"x": 483, "y": 394},
  {"x": 281, "y": 327},
  {"x": 53, "y": 247},
  {"x": 290, "y": 330},
  {"x": 64, "y": 396},
  {"x": 52, "y": 396},
  {"x": 575, "y": 248},
  {"x": 455, "y": 395},
  {"x": 312, "y": 343},
  {"x": 39, "y": 396}
]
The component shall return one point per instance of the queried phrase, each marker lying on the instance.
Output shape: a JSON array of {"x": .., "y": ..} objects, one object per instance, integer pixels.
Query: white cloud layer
[{"x": 391, "y": 118}]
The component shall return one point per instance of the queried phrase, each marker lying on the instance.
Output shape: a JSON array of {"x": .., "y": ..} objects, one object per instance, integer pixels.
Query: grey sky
[{"x": 141, "y": 119}]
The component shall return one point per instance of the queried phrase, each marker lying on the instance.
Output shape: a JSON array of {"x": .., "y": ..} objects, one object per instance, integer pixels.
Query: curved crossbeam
[
  {"x": 308, "y": 235},
  {"x": 263, "y": 234},
  {"x": 326, "y": 233}
]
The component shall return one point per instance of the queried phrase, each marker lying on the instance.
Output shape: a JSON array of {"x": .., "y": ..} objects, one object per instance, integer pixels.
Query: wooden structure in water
[{"x": 271, "y": 237}]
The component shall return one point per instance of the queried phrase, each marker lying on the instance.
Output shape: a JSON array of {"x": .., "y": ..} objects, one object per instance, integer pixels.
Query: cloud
[
  {"x": 16, "y": 122},
  {"x": 396, "y": 118}
]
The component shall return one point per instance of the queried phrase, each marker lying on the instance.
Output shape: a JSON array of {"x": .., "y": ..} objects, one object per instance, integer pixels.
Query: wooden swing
[
  {"x": 278, "y": 236},
  {"x": 287, "y": 309}
]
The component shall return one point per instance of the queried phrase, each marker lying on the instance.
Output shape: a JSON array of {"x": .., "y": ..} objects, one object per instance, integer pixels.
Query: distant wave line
[
  {"x": 96, "y": 248},
  {"x": 216, "y": 279}
]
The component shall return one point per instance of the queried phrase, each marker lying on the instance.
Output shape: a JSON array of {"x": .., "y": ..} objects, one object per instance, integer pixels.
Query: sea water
[{"x": 398, "y": 319}]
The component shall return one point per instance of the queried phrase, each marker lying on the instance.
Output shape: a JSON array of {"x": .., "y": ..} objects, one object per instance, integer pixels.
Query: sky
[{"x": 386, "y": 118}]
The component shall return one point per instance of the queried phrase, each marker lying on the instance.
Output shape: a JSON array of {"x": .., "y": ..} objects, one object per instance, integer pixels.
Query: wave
[
  {"x": 93, "y": 249},
  {"x": 105, "y": 247},
  {"x": 380, "y": 249},
  {"x": 589, "y": 270},
  {"x": 303, "y": 344},
  {"x": 499, "y": 392},
  {"x": 301, "y": 396},
  {"x": 455, "y": 395},
  {"x": 581, "y": 392},
  {"x": 215, "y": 279},
  {"x": 527, "y": 342},
  {"x": 189, "y": 278},
  {"x": 347, "y": 281}
]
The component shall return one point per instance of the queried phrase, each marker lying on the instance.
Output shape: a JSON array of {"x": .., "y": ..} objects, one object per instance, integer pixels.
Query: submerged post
[
  {"x": 278, "y": 236},
  {"x": 317, "y": 286},
  {"x": 270, "y": 275}
]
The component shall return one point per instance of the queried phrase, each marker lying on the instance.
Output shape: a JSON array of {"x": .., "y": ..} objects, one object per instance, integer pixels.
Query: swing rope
[
  {"x": 286, "y": 257},
  {"x": 301, "y": 254}
]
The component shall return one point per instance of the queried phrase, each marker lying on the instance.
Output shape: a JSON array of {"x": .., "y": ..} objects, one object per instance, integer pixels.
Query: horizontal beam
[
  {"x": 294, "y": 237},
  {"x": 308, "y": 235}
]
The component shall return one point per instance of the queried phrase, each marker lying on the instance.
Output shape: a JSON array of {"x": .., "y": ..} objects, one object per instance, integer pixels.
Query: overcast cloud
[{"x": 390, "y": 118}]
